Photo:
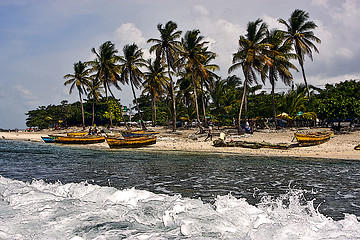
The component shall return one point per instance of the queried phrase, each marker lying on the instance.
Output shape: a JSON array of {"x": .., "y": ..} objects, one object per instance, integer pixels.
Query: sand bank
[{"x": 339, "y": 147}]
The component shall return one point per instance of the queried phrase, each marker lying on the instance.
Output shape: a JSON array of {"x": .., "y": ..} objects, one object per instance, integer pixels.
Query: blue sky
[{"x": 40, "y": 40}]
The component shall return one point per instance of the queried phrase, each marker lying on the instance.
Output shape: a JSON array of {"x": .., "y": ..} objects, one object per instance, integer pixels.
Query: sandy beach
[{"x": 341, "y": 146}]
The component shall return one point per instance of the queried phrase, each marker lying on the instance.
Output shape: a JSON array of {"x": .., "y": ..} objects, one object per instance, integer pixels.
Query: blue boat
[{"x": 48, "y": 139}]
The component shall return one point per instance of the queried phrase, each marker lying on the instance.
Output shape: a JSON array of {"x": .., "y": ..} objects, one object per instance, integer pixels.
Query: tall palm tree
[
  {"x": 106, "y": 68},
  {"x": 167, "y": 48},
  {"x": 155, "y": 83},
  {"x": 80, "y": 79},
  {"x": 194, "y": 54},
  {"x": 279, "y": 66},
  {"x": 94, "y": 93},
  {"x": 299, "y": 33},
  {"x": 131, "y": 74},
  {"x": 250, "y": 57}
]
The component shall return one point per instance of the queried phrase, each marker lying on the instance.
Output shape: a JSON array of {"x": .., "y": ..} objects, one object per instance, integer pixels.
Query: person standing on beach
[{"x": 209, "y": 134}]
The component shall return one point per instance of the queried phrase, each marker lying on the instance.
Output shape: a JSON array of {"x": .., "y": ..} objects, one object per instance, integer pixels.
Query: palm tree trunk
[
  {"x": 93, "y": 113},
  {"x": 82, "y": 111},
  {"x": 203, "y": 104},
  {"x": 196, "y": 103},
  {"x": 305, "y": 81},
  {"x": 273, "y": 100},
  {"x": 154, "y": 112},
  {"x": 241, "y": 105},
  {"x": 120, "y": 106},
  {"x": 172, "y": 92},
  {"x": 107, "y": 102},
  {"x": 137, "y": 104}
]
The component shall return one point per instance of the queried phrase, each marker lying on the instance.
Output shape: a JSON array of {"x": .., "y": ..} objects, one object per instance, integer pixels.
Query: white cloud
[
  {"x": 200, "y": 10},
  {"x": 128, "y": 33}
]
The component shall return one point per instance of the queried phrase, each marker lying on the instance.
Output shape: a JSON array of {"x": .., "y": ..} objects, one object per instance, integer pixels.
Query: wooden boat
[
  {"x": 47, "y": 139},
  {"x": 130, "y": 142},
  {"x": 75, "y": 134},
  {"x": 313, "y": 138},
  {"x": 80, "y": 140},
  {"x": 138, "y": 133},
  {"x": 250, "y": 144},
  {"x": 357, "y": 147}
]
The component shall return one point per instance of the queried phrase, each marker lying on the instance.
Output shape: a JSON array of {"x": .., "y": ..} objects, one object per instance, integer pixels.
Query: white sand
[{"x": 339, "y": 147}]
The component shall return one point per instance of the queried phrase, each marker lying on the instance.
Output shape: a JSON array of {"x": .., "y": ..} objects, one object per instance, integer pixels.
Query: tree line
[{"x": 198, "y": 93}]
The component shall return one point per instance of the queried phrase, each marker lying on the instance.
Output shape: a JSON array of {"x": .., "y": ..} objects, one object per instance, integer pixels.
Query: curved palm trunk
[
  {"x": 240, "y": 131},
  {"x": 172, "y": 92},
  {"x": 82, "y": 111},
  {"x": 273, "y": 98},
  {"x": 301, "y": 62},
  {"x": 137, "y": 104},
  {"x": 196, "y": 103}
]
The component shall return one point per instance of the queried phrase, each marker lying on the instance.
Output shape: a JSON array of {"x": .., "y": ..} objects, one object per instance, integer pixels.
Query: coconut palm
[
  {"x": 131, "y": 74},
  {"x": 193, "y": 55},
  {"x": 166, "y": 49},
  {"x": 155, "y": 83},
  {"x": 106, "y": 68},
  {"x": 80, "y": 79},
  {"x": 250, "y": 57},
  {"x": 299, "y": 33},
  {"x": 279, "y": 67},
  {"x": 94, "y": 93}
]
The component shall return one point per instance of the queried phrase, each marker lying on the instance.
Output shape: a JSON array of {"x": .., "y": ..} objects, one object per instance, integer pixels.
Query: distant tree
[
  {"x": 80, "y": 79},
  {"x": 299, "y": 33},
  {"x": 94, "y": 93},
  {"x": 167, "y": 49},
  {"x": 131, "y": 74},
  {"x": 250, "y": 57},
  {"x": 155, "y": 82}
]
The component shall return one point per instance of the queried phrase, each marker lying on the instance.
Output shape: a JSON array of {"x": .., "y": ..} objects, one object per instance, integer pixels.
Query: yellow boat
[
  {"x": 130, "y": 142},
  {"x": 313, "y": 138},
  {"x": 80, "y": 139},
  {"x": 74, "y": 134}
]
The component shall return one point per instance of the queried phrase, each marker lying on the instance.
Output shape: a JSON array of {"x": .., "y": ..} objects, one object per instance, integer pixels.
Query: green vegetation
[{"x": 181, "y": 82}]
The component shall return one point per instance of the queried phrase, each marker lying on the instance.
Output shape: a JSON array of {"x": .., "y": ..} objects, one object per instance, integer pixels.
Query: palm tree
[
  {"x": 279, "y": 55},
  {"x": 299, "y": 33},
  {"x": 194, "y": 54},
  {"x": 94, "y": 93},
  {"x": 130, "y": 72},
  {"x": 167, "y": 48},
  {"x": 106, "y": 68},
  {"x": 250, "y": 57},
  {"x": 155, "y": 83},
  {"x": 80, "y": 79}
]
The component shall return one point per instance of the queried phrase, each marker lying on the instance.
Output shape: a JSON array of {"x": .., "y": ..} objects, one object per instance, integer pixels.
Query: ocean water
[{"x": 50, "y": 191}]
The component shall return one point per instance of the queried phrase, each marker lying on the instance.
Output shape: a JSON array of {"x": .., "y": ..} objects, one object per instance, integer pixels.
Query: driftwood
[{"x": 249, "y": 144}]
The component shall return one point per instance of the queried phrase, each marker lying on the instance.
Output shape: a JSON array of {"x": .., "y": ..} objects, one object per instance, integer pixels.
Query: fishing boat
[
  {"x": 47, "y": 139},
  {"x": 130, "y": 142},
  {"x": 88, "y": 139},
  {"x": 138, "y": 133},
  {"x": 313, "y": 138},
  {"x": 357, "y": 147},
  {"x": 250, "y": 144},
  {"x": 76, "y": 134}
]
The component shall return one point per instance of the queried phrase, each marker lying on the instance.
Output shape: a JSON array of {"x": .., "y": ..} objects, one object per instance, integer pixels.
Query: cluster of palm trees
[{"x": 261, "y": 52}]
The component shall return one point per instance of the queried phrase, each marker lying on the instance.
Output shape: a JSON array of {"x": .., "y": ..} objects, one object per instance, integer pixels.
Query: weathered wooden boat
[
  {"x": 130, "y": 142},
  {"x": 313, "y": 138},
  {"x": 138, "y": 133},
  {"x": 88, "y": 139},
  {"x": 250, "y": 144},
  {"x": 76, "y": 134},
  {"x": 47, "y": 139}
]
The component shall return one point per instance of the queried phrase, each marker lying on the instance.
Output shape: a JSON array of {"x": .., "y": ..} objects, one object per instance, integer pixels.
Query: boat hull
[
  {"x": 138, "y": 133},
  {"x": 76, "y": 134},
  {"x": 312, "y": 139},
  {"x": 48, "y": 139},
  {"x": 80, "y": 140},
  {"x": 130, "y": 142}
]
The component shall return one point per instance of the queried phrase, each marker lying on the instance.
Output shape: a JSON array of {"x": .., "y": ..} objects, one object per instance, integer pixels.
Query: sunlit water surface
[{"x": 52, "y": 191}]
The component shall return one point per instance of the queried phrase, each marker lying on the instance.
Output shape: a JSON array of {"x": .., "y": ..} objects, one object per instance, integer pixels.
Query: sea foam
[{"x": 77, "y": 211}]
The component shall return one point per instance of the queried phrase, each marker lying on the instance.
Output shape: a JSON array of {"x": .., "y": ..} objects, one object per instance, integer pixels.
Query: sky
[{"x": 40, "y": 40}]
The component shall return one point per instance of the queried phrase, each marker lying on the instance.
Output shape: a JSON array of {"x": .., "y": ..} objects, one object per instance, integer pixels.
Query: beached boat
[
  {"x": 88, "y": 139},
  {"x": 138, "y": 133},
  {"x": 130, "y": 142},
  {"x": 313, "y": 138},
  {"x": 250, "y": 144},
  {"x": 357, "y": 147},
  {"x": 76, "y": 134},
  {"x": 47, "y": 139}
]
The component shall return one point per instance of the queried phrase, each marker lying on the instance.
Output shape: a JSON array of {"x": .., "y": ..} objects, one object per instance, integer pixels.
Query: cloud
[
  {"x": 128, "y": 33},
  {"x": 200, "y": 10}
]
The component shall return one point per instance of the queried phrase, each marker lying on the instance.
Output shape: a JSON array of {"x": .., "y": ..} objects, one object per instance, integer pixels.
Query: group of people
[{"x": 93, "y": 131}]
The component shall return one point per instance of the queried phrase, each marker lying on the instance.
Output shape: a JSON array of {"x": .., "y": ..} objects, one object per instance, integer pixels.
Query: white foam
[{"x": 78, "y": 211}]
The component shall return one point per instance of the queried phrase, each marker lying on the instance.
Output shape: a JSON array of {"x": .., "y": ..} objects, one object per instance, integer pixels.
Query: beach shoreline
[{"x": 341, "y": 146}]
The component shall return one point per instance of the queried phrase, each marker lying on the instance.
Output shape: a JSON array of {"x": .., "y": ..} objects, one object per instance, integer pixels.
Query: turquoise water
[{"x": 278, "y": 191}]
